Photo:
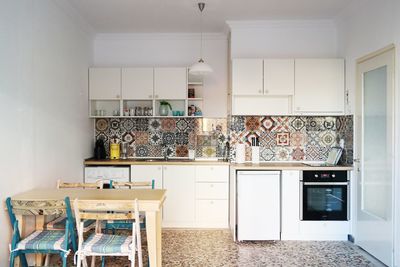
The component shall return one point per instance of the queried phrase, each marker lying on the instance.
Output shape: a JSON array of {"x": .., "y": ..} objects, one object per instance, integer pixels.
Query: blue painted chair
[
  {"x": 40, "y": 241},
  {"x": 127, "y": 225}
]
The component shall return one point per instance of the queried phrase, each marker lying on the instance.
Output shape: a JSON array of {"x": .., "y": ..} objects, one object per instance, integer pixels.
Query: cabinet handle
[
  {"x": 117, "y": 96},
  {"x": 156, "y": 96},
  {"x": 259, "y": 91},
  {"x": 212, "y": 202},
  {"x": 211, "y": 185},
  {"x": 266, "y": 91},
  {"x": 150, "y": 96}
]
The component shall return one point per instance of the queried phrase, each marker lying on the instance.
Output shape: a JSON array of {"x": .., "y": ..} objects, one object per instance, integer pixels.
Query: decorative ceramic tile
[
  {"x": 128, "y": 137},
  {"x": 101, "y": 125},
  {"x": 298, "y": 154},
  {"x": 115, "y": 124},
  {"x": 328, "y": 138},
  {"x": 155, "y": 138},
  {"x": 182, "y": 125},
  {"x": 127, "y": 125},
  {"x": 182, "y": 151},
  {"x": 282, "y": 153},
  {"x": 142, "y": 151},
  {"x": 168, "y": 125},
  {"x": 252, "y": 123},
  {"x": 209, "y": 151},
  {"x": 282, "y": 124},
  {"x": 154, "y": 125},
  {"x": 182, "y": 138},
  {"x": 314, "y": 124},
  {"x": 168, "y": 138},
  {"x": 267, "y": 154},
  {"x": 155, "y": 151},
  {"x": 267, "y": 139},
  {"x": 282, "y": 139},
  {"x": 170, "y": 151},
  {"x": 237, "y": 124},
  {"x": 203, "y": 140},
  {"x": 298, "y": 139},
  {"x": 141, "y": 124},
  {"x": 250, "y": 136},
  {"x": 268, "y": 124},
  {"x": 142, "y": 138},
  {"x": 298, "y": 124}
]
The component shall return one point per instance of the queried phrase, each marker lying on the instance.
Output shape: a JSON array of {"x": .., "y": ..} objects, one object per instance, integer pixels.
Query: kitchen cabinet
[
  {"x": 146, "y": 173},
  {"x": 170, "y": 83},
  {"x": 212, "y": 194},
  {"x": 261, "y": 105},
  {"x": 319, "y": 86},
  {"x": 104, "y": 83},
  {"x": 137, "y": 83},
  {"x": 290, "y": 205},
  {"x": 247, "y": 77},
  {"x": 179, "y": 206},
  {"x": 278, "y": 76}
]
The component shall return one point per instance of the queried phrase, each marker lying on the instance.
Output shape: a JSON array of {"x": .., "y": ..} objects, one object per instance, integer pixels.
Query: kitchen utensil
[
  {"x": 114, "y": 151},
  {"x": 124, "y": 150},
  {"x": 99, "y": 149}
]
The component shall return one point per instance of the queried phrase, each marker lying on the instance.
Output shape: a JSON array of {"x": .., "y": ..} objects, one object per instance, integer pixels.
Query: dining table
[{"x": 150, "y": 201}]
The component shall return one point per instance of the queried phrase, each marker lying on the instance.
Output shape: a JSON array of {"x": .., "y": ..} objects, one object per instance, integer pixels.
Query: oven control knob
[
  {"x": 333, "y": 175},
  {"x": 316, "y": 175}
]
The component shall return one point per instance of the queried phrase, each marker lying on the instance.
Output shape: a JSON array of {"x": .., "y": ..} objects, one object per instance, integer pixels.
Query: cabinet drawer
[
  {"x": 209, "y": 212},
  {"x": 212, "y": 173},
  {"x": 212, "y": 190}
]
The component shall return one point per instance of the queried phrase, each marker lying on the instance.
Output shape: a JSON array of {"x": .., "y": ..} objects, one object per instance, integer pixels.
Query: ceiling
[{"x": 123, "y": 16}]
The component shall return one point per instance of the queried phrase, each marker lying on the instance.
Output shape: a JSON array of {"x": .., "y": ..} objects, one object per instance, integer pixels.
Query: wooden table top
[{"x": 41, "y": 194}]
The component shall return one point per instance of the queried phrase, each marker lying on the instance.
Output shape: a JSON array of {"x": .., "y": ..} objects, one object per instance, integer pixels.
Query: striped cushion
[
  {"x": 43, "y": 240},
  {"x": 107, "y": 244},
  {"x": 59, "y": 224}
]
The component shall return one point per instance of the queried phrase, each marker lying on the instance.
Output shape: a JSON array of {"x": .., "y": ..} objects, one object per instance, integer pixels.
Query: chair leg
[
  {"x": 64, "y": 260},
  {"x": 23, "y": 260},
  {"x": 103, "y": 261},
  {"x": 93, "y": 261},
  {"x": 85, "y": 262},
  {"x": 133, "y": 259},
  {"x": 79, "y": 262},
  {"x": 12, "y": 259},
  {"x": 47, "y": 260}
]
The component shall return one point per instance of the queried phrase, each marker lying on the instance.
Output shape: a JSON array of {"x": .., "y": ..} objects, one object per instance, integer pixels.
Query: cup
[{"x": 132, "y": 112}]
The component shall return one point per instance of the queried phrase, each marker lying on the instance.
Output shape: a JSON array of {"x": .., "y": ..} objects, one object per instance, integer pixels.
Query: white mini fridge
[{"x": 258, "y": 205}]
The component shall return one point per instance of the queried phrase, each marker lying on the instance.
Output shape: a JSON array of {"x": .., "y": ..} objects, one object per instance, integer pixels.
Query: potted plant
[{"x": 165, "y": 107}]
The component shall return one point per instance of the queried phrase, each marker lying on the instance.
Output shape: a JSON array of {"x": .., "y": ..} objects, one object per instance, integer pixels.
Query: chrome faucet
[{"x": 165, "y": 151}]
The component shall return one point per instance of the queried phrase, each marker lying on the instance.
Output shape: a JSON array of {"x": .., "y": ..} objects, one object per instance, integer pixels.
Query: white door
[
  {"x": 319, "y": 86},
  {"x": 375, "y": 149},
  {"x": 179, "y": 206},
  {"x": 104, "y": 83},
  {"x": 137, "y": 83},
  {"x": 146, "y": 173},
  {"x": 170, "y": 83},
  {"x": 279, "y": 76},
  {"x": 247, "y": 76}
]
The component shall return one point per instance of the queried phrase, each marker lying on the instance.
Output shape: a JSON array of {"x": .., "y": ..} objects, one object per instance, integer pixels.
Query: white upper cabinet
[
  {"x": 278, "y": 76},
  {"x": 247, "y": 76},
  {"x": 170, "y": 83},
  {"x": 319, "y": 86},
  {"x": 137, "y": 83},
  {"x": 104, "y": 83}
]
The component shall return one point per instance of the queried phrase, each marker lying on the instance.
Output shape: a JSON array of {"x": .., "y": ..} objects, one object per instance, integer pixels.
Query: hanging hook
[{"x": 201, "y": 6}]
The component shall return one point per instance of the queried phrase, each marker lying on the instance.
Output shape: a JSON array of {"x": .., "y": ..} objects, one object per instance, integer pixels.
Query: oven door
[{"x": 323, "y": 201}]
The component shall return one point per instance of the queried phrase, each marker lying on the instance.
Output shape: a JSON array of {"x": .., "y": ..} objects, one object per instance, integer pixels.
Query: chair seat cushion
[
  {"x": 107, "y": 244},
  {"x": 59, "y": 224},
  {"x": 43, "y": 240}
]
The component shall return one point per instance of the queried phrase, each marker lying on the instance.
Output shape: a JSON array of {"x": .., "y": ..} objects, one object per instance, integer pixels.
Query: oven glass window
[{"x": 324, "y": 202}]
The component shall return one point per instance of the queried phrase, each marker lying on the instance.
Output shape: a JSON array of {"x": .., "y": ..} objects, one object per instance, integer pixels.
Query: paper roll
[{"x": 255, "y": 154}]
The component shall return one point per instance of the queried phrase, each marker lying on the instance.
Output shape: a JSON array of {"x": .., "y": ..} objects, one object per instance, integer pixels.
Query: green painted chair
[{"x": 40, "y": 241}]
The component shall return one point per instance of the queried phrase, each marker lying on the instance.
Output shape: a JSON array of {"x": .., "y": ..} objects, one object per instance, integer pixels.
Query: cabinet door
[
  {"x": 319, "y": 86},
  {"x": 104, "y": 83},
  {"x": 278, "y": 76},
  {"x": 137, "y": 83},
  {"x": 170, "y": 83},
  {"x": 290, "y": 188},
  {"x": 247, "y": 76},
  {"x": 146, "y": 173},
  {"x": 179, "y": 206}
]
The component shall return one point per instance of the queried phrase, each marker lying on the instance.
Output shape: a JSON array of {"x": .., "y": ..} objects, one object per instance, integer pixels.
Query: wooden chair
[
  {"x": 124, "y": 224},
  {"x": 99, "y": 244},
  {"x": 59, "y": 223},
  {"x": 40, "y": 241}
]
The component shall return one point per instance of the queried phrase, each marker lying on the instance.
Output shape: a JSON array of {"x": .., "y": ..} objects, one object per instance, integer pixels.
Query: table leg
[
  {"x": 153, "y": 231},
  {"x": 39, "y": 223}
]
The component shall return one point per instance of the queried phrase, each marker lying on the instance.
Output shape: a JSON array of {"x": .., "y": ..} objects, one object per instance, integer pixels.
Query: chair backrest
[
  {"x": 132, "y": 185},
  {"x": 99, "y": 184},
  {"x": 100, "y": 210}
]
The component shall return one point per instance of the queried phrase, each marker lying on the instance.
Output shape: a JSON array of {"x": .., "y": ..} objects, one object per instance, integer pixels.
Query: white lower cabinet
[
  {"x": 290, "y": 205},
  {"x": 146, "y": 173},
  {"x": 212, "y": 213},
  {"x": 179, "y": 205}
]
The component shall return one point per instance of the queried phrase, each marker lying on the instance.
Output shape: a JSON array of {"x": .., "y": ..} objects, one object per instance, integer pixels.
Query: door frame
[{"x": 395, "y": 137}]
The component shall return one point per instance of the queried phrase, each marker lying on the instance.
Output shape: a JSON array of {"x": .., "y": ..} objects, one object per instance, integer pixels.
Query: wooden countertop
[
  {"x": 243, "y": 166},
  {"x": 122, "y": 162},
  {"x": 287, "y": 166}
]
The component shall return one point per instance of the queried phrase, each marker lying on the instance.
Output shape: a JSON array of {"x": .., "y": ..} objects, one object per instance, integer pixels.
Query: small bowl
[
  {"x": 175, "y": 113},
  {"x": 181, "y": 113}
]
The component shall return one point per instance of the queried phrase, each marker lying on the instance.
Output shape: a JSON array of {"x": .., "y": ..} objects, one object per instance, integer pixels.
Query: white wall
[
  {"x": 45, "y": 130},
  {"x": 135, "y": 50},
  {"x": 365, "y": 27},
  {"x": 280, "y": 39}
]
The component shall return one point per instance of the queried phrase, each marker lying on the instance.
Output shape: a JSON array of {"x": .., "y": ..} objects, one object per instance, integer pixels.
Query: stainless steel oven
[{"x": 324, "y": 196}]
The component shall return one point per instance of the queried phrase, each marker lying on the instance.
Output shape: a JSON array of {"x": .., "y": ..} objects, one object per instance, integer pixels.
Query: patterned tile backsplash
[
  {"x": 290, "y": 138},
  {"x": 155, "y": 137},
  {"x": 300, "y": 138}
]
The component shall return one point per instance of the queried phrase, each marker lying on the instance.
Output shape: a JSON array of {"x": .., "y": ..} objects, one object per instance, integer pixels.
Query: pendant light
[{"x": 200, "y": 67}]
